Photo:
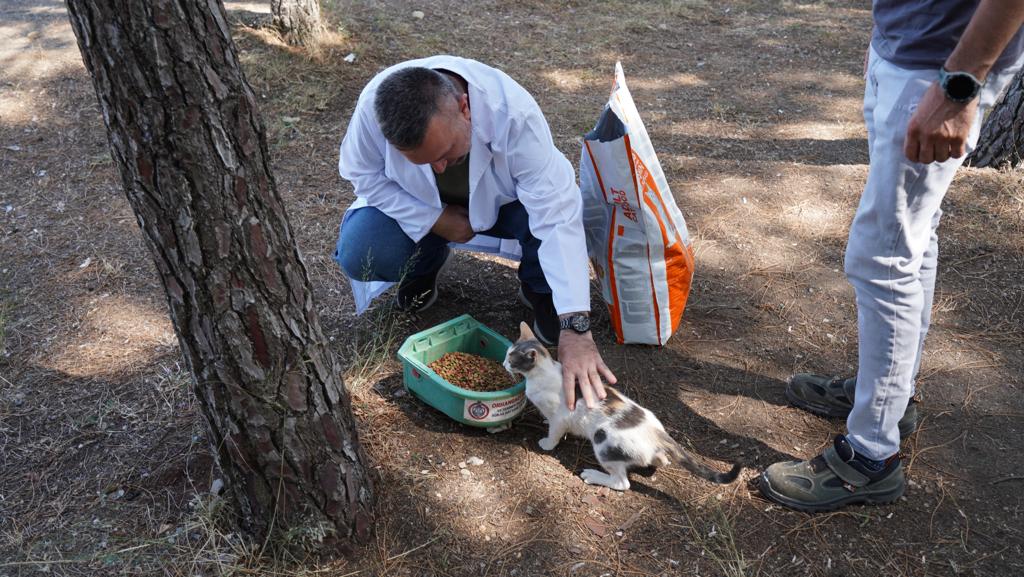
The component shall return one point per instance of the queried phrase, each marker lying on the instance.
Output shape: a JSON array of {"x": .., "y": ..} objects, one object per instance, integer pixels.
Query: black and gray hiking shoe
[
  {"x": 833, "y": 397},
  {"x": 836, "y": 478}
]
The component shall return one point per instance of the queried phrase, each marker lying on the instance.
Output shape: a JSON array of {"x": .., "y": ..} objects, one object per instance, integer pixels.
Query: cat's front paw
[
  {"x": 547, "y": 444},
  {"x": 592, "y": 477},
  {"x": 595, "y": 477}
]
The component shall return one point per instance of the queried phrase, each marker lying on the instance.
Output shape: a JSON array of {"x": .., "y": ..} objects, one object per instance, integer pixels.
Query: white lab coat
[{"x": 512, "y": 156}]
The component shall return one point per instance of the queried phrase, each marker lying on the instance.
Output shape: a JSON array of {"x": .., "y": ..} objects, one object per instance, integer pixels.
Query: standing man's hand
[
  {"x": 581, "y": 363},
  {"x": 939, "y": 128},
  {"x": 453, "y": 224}
]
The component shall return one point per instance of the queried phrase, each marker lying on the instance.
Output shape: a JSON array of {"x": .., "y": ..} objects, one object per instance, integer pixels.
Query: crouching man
[{"x": 443, "y": 149}]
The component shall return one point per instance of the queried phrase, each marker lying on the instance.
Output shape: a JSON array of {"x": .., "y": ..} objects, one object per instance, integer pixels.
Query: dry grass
[
  {"x": 374, "y": 342},
  {"x": 714, "y": 534},
  {"x": 372, "y": 349}
]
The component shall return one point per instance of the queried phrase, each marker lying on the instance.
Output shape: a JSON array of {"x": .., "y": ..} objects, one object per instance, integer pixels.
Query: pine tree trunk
[
  {"x": 1002, "y": 136},
  {"x": 297, "y": 20},
  {"x": 185, "y": 133}
]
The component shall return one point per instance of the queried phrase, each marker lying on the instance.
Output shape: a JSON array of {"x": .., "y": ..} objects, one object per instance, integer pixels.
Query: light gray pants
[{"x": 892, "y": 251}]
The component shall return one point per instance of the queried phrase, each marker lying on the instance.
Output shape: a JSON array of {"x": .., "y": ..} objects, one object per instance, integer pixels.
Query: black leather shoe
[
  {"x": 416, "y": 295},
  {"x": 545, "y": 319}
]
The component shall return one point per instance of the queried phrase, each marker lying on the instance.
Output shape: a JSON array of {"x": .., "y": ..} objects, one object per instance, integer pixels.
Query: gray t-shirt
[{"x": 923, "y": 33}]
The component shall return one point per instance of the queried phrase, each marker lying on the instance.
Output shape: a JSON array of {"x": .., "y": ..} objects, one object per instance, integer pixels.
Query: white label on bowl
[{"x": 493, "y": 411}]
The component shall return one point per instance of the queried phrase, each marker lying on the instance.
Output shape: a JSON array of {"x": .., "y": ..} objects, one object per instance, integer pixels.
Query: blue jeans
[
  {"x": 373, "y": 247},
  {"x": 892, "y": 251}
]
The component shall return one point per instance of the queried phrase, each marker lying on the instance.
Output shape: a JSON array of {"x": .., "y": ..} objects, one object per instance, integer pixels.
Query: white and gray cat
[{"x": 625, "y": 435}]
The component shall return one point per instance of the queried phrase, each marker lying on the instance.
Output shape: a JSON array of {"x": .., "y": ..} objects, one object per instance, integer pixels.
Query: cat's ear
[{"x": 525, "y": 334}]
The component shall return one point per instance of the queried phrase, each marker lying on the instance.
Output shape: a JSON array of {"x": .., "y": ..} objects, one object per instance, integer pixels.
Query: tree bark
[
  {"x": 186, "y": 136},
  {"x": 298, "y": 20},
  {"x": 1002, "y": 135}
]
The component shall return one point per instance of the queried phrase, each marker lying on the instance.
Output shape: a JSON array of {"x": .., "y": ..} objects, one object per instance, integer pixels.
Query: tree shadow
[{"x": 97, "y": 459}]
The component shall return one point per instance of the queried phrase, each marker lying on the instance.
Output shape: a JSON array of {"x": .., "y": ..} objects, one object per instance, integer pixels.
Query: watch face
[
  {"x": 961, "y": 87},
  {"x": 581, "y": 323}
]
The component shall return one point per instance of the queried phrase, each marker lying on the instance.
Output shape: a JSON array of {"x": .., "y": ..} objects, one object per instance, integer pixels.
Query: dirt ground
[{"x": 754, "y": 108}]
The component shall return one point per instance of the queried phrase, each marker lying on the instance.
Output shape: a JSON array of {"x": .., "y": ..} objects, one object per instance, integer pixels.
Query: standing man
[
  {"x": 934, "y": 67},
  {"x": 443, "y": 149}
]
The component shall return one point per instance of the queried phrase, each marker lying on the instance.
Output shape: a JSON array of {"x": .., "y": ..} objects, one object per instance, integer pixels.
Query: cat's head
[{"x": 527, "y": 353}]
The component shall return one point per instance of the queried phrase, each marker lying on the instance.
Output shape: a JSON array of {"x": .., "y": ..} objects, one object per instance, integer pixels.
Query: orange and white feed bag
[{"x": 636, "y": 235}]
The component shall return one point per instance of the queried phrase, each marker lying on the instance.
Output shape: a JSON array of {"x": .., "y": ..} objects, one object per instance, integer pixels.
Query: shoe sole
[
  {"x": 765, "y": 487},
  {"x": 834, "y": 413}
]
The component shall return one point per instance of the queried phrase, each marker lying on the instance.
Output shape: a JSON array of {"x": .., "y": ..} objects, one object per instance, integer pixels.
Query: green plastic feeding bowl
[{"x": 467, "y": 335}]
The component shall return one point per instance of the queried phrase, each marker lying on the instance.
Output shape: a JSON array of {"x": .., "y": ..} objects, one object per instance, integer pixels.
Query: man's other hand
[
  {"x": 582, "y": 364},
  {"x": 939, "y": 128},
  {"x": 453, "y": 224}
]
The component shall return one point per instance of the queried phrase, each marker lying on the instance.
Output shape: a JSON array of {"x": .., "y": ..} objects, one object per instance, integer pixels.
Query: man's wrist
[
  {"x": 568, "y": 335},
  {"x": 975, "y": 69}
]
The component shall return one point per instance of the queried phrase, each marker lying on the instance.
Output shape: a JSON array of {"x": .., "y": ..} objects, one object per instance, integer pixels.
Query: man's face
[{"x": 447, "y": 140}]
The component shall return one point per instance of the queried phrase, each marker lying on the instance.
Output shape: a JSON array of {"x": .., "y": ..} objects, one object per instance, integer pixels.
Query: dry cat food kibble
[{"x": 472, "y": 372}]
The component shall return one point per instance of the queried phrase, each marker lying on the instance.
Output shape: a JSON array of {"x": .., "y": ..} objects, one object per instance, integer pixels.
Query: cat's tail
[{"x": 679, "y": 455}]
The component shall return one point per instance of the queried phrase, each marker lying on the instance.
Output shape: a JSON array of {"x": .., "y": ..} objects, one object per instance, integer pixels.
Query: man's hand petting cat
[{"x": 582, "y": 364}]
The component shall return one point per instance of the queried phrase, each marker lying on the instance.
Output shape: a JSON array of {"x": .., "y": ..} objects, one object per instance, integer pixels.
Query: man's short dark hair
[{"x": 405, "y": 102}]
